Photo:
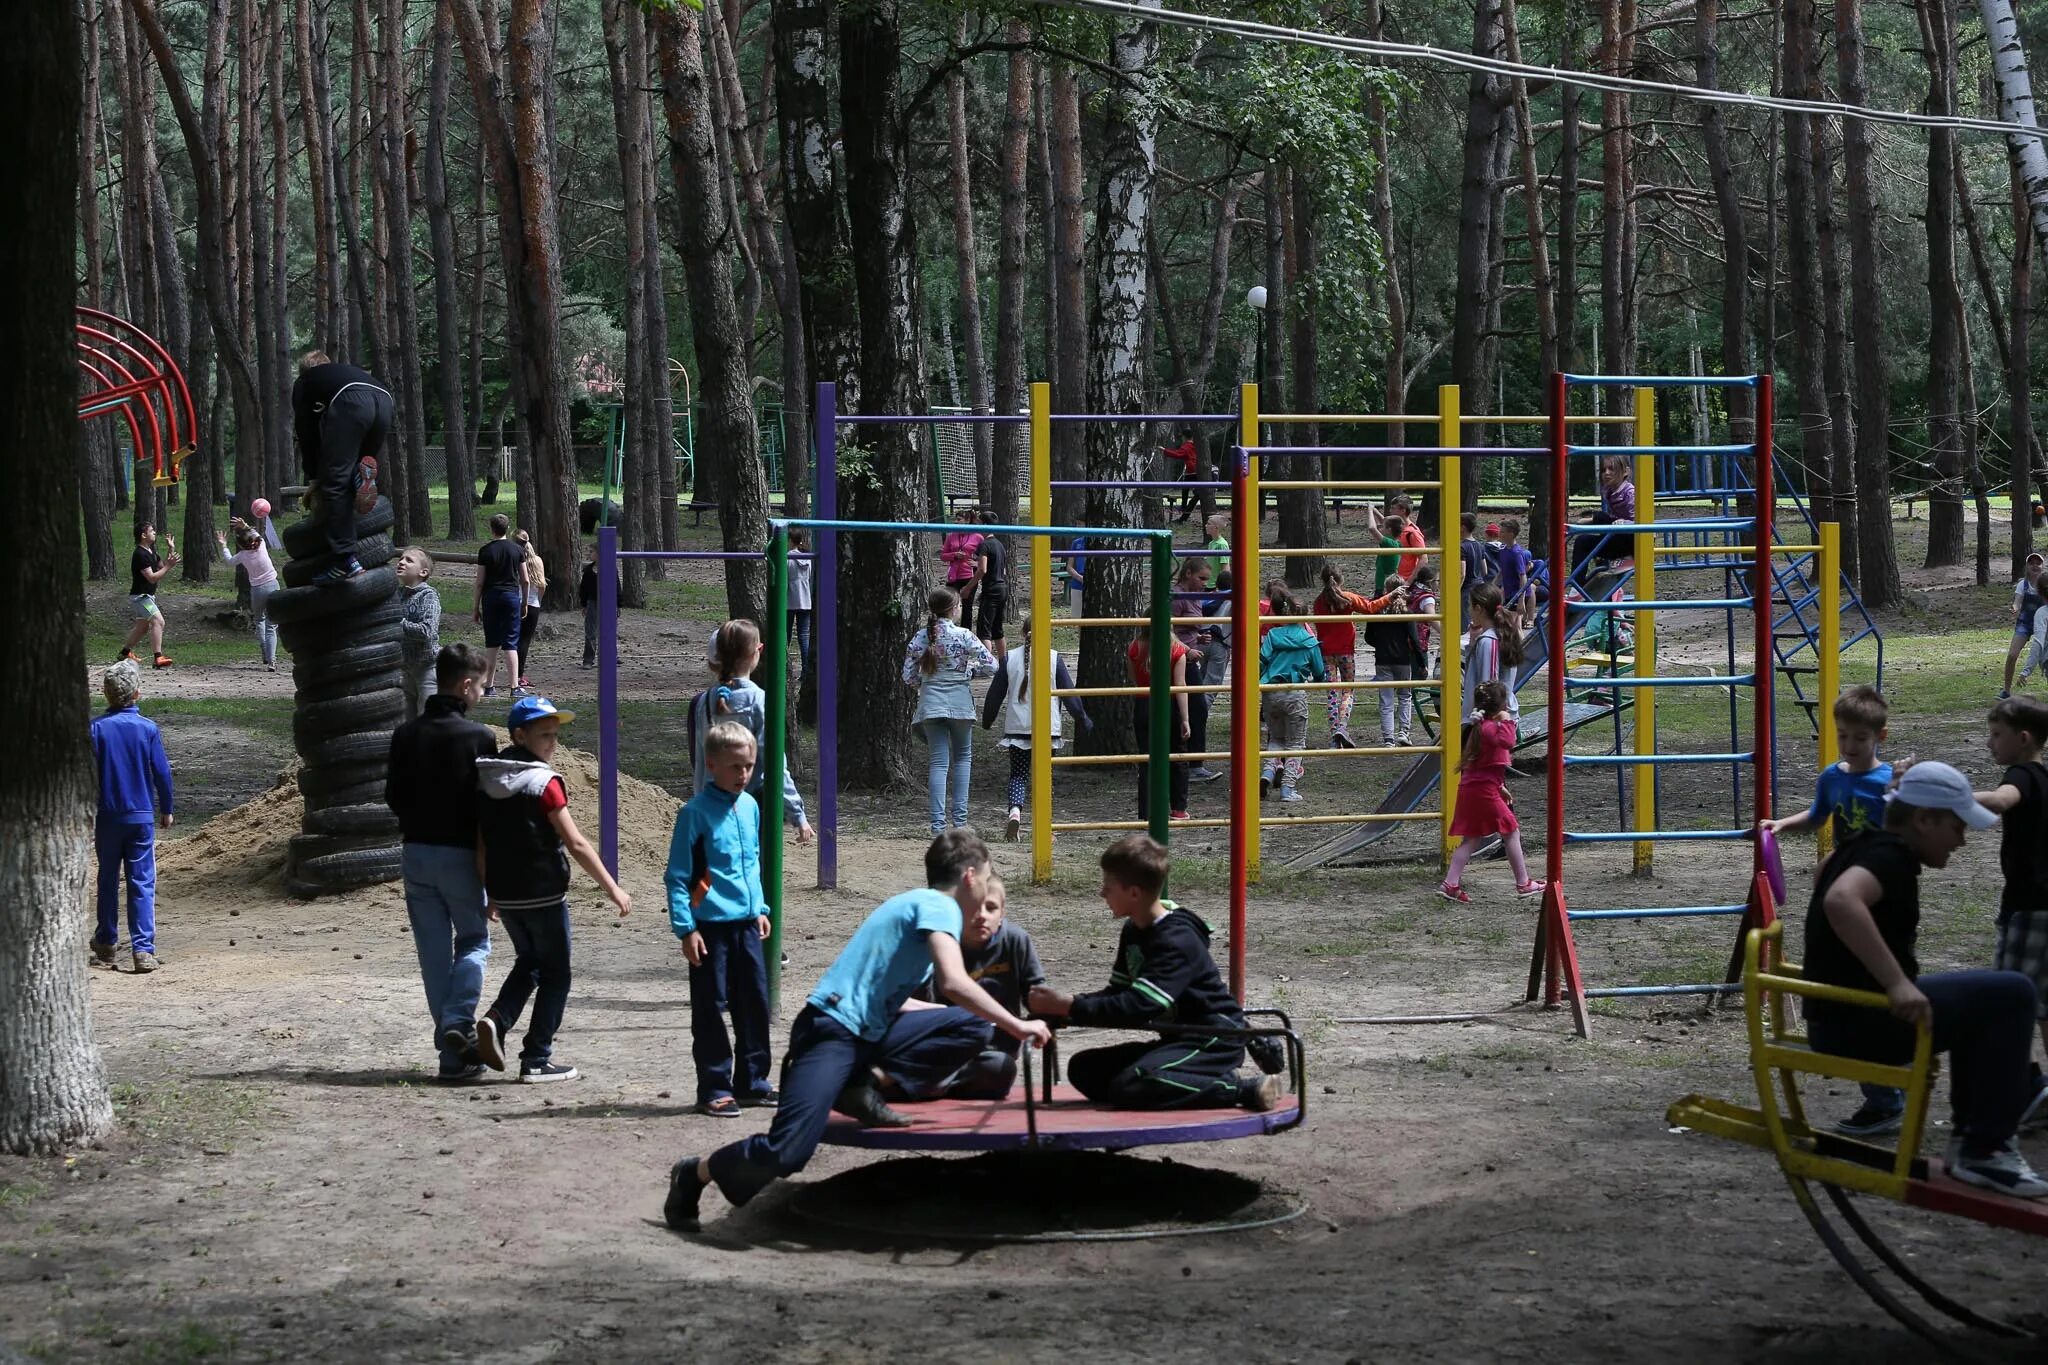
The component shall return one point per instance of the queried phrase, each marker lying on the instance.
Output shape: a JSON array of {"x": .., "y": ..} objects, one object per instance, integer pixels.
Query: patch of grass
[
  {"x": 188, "y": 1341},
  {"x": 15, "y": 1194},
  {"x": 270, "y": 715},
  {"x": 211, "y": 1114}
]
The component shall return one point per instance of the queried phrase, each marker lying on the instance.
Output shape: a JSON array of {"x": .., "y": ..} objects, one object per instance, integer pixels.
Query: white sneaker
[
  {"x": 2004, "y": 1171},
  {"x": 1010, "y": 824},
  {"x": 1290, "y": 795}
]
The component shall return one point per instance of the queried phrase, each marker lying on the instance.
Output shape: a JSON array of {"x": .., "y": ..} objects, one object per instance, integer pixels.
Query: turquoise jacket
[
  {"x": 1290, "y": 654},
  {"x": 714, "y": 862}
]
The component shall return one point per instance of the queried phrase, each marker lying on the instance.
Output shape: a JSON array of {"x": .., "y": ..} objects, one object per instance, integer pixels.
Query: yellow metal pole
[
  {"x": 1042, "y": 670},
  {"x": 1830, "y": 662},
  {"x": 1646, "y": 628},
  {"x": 1245, "y": 652},
  {"x": 1450, "y": 704}
]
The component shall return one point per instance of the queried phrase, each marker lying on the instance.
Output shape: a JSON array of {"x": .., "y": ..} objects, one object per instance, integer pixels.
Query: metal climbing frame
[{"x": 1554, "y": 967}]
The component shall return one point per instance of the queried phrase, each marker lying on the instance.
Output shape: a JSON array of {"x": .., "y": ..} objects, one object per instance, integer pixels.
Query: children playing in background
[
  {"x": 586, "y": 598},
  {"x": 940, "y": 660},
  {"x": 1218, "y": 544},
  {"x": 1861, "y": 926},
  {"x": 146, "y": 568},
  {"x": 958, "y": 552},
  {"x": 802, "y": 574},
  {"x": 420, "y": 627},
  {"x": 2015, "y": 733},
  {"x": 500, "y": 594},
  {"x": 1493, "y": 650},
  {"x": 717, "y": 908},
  {"x": 1617, "y": 505},
  {"x": 1289, "y": 656},
  {"x": 254, "y": 558},
  {"x": 1849, "y": 796},
  {"x": 1483, "y": 806},
  {"x": 1396, "y": 654},
  {"x": 1180, "y": 727},
  {"x": 525, "y": 838},
  {"x": 735, "y": 654},
  {"x": 134, "y": 801},
  {"x": 530, "y": 607},
  {"x": 992, "y": 591},
  {"x": 1516, "y": 581},
  {"x": 1424, "y": 601},
  {"x": 1338, "y": 640},
  {"x": 1009, "y": 696},
  {"x": 2027, "y": 602},
  {"x": 1161, "y": 973},
  {"x": 1475, "y": 565}
]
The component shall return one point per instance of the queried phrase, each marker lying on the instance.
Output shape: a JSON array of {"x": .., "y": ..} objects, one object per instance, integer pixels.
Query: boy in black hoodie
[
  {"x": 526, "y": 837},
  {"x": 1162, "y": 974}
]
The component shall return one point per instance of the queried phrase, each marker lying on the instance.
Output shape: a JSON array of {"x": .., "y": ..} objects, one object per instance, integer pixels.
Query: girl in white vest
[{"x": 1009, "y": 696}]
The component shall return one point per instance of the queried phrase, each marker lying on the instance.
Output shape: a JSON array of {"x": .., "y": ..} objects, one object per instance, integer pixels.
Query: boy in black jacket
[
  {"x": 1162, "y": 974},
  {"x": 527, "y": 837},
  {"x": 430, "y": 785}
]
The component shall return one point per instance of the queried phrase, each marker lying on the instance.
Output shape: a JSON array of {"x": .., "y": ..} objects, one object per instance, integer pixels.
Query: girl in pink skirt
[{"x": 1483, "y": 806}]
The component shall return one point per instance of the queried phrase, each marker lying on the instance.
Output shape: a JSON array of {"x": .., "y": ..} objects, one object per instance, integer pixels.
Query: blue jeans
[
  {"x": 129, "y": 845},
  {"x": 952, "y": 755},
  {"x": 732, "y": 976},
  {"x": 801, "y": 622},
  {"x": 1984, "y": 1020},
  {"x": 924, "y": 1049},
  {"x": 823, "y": 1056},
  {"x": 541, "y": 939},
  {"x": 444, "y": 898}
]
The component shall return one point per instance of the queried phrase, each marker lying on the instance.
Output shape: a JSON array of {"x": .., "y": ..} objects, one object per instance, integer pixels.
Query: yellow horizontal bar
[
  {"x": 1535, "y": 420},
  {"x": 1355, "y": 617},
  {"x": 1360, "y": 751},
  {"x": 1347, "y": 483},
  {"x": 1189, "y": 690},
  {"x": 1818, "y": 990},
  {"x": 1206, "y": 822},
  {"x": 1836, "y": 1065},
  {"x": 1426, "y": 684},
  {"x": 1135, "y": 621},
  {"x": 1067, "y": 826},
  {"x": 1335, "y": 551},
  {"x": 1373, "y": 418}
]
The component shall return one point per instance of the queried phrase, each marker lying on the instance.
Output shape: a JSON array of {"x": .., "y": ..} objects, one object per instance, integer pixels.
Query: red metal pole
[{"x": 1244, "y": 696}]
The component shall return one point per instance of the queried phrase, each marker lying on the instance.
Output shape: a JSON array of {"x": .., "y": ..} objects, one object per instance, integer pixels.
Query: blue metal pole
[{"x": 825, "y": 637}]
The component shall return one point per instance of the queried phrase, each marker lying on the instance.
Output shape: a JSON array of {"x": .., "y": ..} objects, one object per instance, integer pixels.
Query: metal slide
[{"x": 1420, "y": 779}]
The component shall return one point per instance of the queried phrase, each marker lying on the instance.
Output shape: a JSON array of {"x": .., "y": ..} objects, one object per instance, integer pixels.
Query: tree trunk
[
  {"x": 966, "y": 261},
  {"x": 1969, "y": 427},
  {"x": 455, "y": 429},
  {"x": 658, "y": 381},
  {"x": 1485, "y": 96},
  {"x": 641, "y": 442},
  {"x": 96, "y": 489},
  {"x": 727, "y": 434},
  {"x": 415, "y": 511},
  {"x": 1617, "y": 255},
  {"x": 2019, "y": 379},
  {"x": 1944, "y": 437},
  {"x": 876, "y": 707},
  {"x": 53, "y": 1089},
  {"x": 1068, "y": 250},
  {"x": 1842, "y": 417},
  {"x": 313, "y": 120},
  {"x": 811, "y": 198},
  {"x": 1010, "y": 451},
  {"x": 1735, "y": 357},
  {"x": 252, "y": 466},
  {"x": 1817, "y": 445},
  {"x": 521, "y": 157},
  {"x": 364, "y": 333},
  {"x": 2016, "y": 105},
  {"x": 1873, "y": 382}
]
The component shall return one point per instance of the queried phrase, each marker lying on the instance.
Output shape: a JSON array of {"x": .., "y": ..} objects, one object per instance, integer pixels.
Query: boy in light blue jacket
[{"x": 716, "y": 907}]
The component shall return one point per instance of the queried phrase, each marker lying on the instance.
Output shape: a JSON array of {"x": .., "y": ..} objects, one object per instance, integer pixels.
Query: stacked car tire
[{"x": 347, "y": 652}]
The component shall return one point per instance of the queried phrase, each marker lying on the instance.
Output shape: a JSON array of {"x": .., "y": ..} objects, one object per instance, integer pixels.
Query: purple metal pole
[
  {"x": 825, "y": 637},
  {"x": 608, "y": 696}
]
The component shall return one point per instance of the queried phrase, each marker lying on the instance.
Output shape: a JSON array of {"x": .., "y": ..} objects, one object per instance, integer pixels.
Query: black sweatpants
[
  {"x": 1177, "y": 771},
  {"x": 1165, "y": 1073},
  {"x": 354, "y": 426}
]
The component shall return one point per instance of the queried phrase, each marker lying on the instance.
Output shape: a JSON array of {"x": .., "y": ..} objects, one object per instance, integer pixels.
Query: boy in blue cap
[
  {"x": 716, "y": 907},
  {"x": 135, "y": 797},
  {"x": 527, "y": 837},
  {"x": 843, "y": 1034}
]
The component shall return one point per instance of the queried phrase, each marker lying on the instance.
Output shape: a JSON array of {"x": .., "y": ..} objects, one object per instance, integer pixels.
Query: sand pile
[{"x": 249, "y": 844}]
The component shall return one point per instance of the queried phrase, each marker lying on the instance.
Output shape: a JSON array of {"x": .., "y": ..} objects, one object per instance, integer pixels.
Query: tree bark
[
  {"x": 1068, "y": 260},
  {"x": 1735, "y": 357},
  {"x": 1485, "y": 96},
  {"x": 811, "y": 197},
  {"x": 53, "y": 1090},
  {"x": 642, "y": 443},
  {"x": 2016, "y": 105},
  {"x": 874, "y": 704},
  {"x": 1810, "y": 397},
  {"x": 727, "y": 434},
  {"x": 966, "y": 260},
  {"x": 1944, "y": 437},
  {"x": 512, "y": 123},
  {"x": 658, "y": 380},
  {"x": 1303, "y": 512},
  {"x": 96, "y": 489},
  {"x": 1010, "y": 450},
  {"x": 455, "y": 428},
  {"x": 414, "y": 511},
  {"x": 1617, "y": 148},
  {"x": 1873, "y": 382},
  {"x": 2019, "y": 378}
]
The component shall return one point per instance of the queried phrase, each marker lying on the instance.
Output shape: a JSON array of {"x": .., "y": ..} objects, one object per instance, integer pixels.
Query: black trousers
[
  {"x": 1165, "y": 1073},
  {"x": 1177, "y": 772},
  {"x": 354, "y": 426}
]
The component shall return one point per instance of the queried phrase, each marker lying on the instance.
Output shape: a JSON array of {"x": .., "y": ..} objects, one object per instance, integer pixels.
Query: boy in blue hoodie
[
  {"x": 716, "y": 907},
  {"x": 135, "y": 797},
  {"x": 1288, "y": 654}
]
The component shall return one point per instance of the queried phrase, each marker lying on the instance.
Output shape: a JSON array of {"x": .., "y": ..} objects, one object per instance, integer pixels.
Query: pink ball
[{"x": 261, "y": 507}]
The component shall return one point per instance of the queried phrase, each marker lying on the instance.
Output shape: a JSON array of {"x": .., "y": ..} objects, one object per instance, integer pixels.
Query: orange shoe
[{"x": 163, "y": 661}]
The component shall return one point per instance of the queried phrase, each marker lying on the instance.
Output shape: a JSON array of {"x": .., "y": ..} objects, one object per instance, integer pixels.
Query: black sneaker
[
  {"x": 1260, "y": 1094},
  {"x": 461, "y": 1041},
  {"x": 1265, "y": 785},
  {"x": 338, "y": 573},
  {"x": 103, "y": 952},
  {"x": 467, "y": 1074},
  {"x": 1870, "y": 1121},
  {"x": 540, "y": 1073},
  {"x": 679, "y": 1210},
  {"x": 2003, "y": 1170},
  {"x": 863, "y": 1103},
  {"x": 1266, "y": 1054},
  {"x": 490, "y": 1047},
  {"x": 1340, "y": 740},
  {"x": 762, "y": 1099}
]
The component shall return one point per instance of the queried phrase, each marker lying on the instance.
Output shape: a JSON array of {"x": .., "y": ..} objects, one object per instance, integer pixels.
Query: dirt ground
[{"x": 286, "y": 1183}]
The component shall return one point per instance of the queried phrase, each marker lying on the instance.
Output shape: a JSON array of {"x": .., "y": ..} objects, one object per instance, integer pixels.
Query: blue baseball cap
[{"x": 527, "y": 710}]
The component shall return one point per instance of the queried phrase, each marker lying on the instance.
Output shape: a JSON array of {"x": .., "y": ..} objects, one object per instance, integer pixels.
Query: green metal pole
[
  {"x": 774, "y": 759},
  {"x": 1161, "y": 700}
]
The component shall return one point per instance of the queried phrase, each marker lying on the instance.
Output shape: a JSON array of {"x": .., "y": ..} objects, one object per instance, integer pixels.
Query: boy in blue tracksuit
[
  {"x": 717, "y": 909},
  {"x": 135, "y": 797}
]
